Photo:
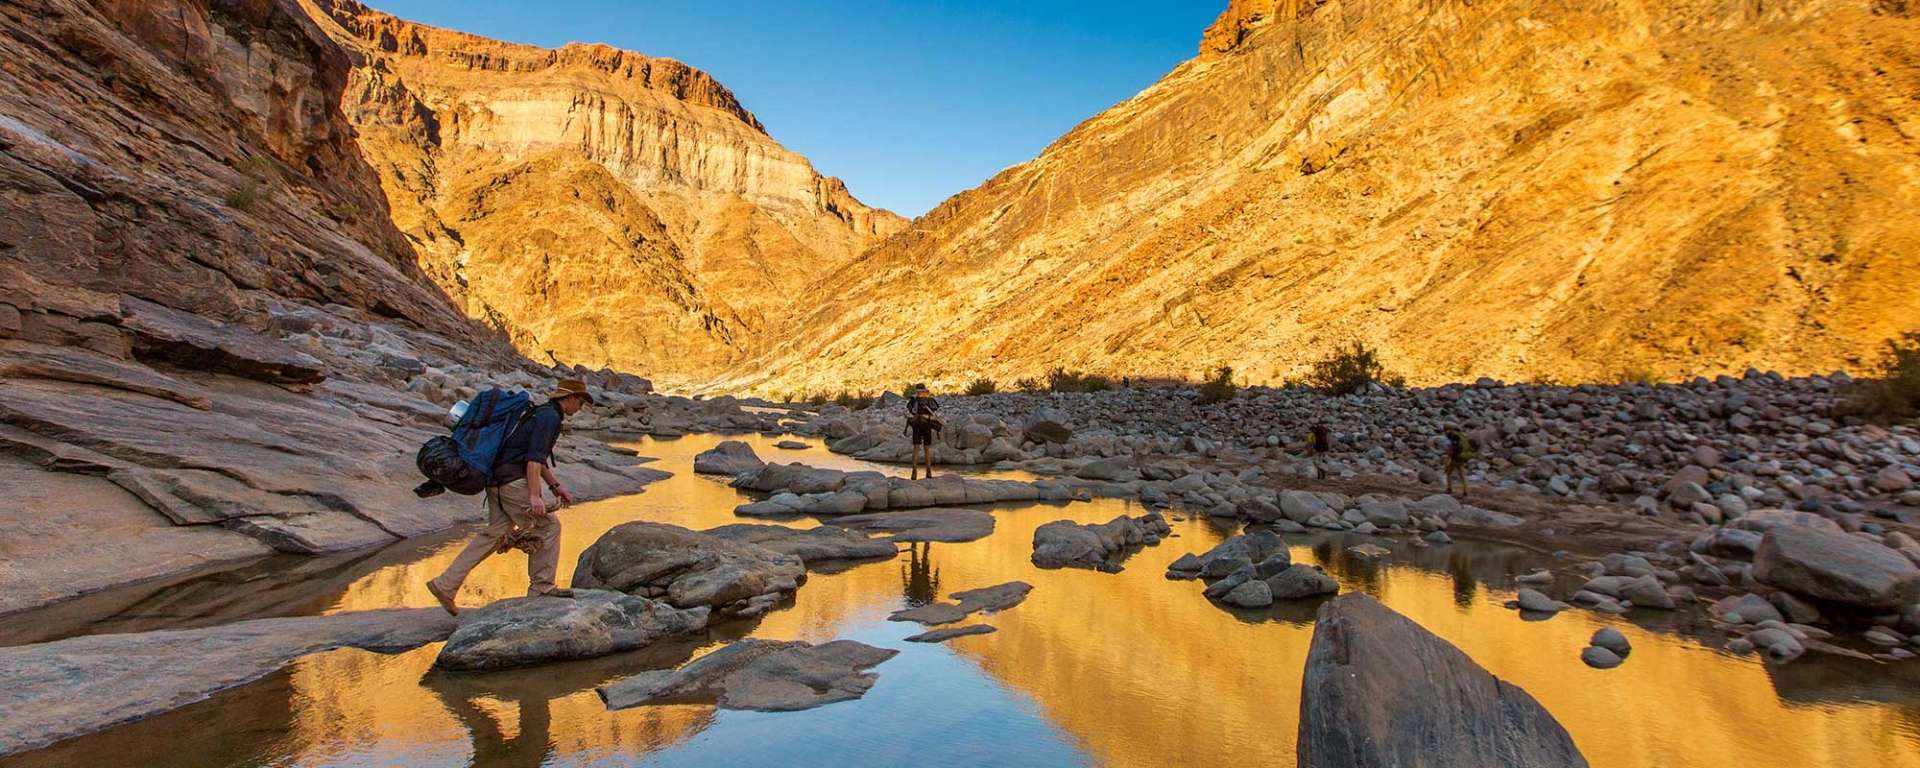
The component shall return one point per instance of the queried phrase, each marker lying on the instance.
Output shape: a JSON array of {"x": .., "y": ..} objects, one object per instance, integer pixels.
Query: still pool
[{"x": 1125, "y": 669}]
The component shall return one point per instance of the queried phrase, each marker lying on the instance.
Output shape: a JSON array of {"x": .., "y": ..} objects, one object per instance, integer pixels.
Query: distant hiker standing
[
  {"x": 517, "y": 514},
  {"x": 923, "y": 419},
  {"x": 1460, "y": 450},
  {"x": 1319, "y": 441}
]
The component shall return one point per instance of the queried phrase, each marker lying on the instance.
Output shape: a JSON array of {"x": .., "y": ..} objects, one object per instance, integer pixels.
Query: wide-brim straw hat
[{"x": 568, "y": 387}]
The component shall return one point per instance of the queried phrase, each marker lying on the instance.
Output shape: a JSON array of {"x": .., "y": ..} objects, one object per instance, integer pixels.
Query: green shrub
[
  {"x": 1063, "y": 380},
  {"x": 244, "y": 195},
  {"x": 1028, "y": 384},
  {"x": 1639, "y": 375},
  {"x": 982, "y": 386},
  {"x": 1894, "y": 392},
  {"x": 1349, "y": 370},
  {"x": 1218, "y": 389},
  {"x": 853, "y": 401}
]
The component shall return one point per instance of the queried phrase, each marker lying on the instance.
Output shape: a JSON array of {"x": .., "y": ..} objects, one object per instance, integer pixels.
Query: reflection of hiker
[
  {"x": 919, "y": 580},
  {"x": 1460, "y": 450},
  {"x": 923, "y": 419},
  {"x": 531, "y": 744},
  {"x": 517, "y": 514},
  {"x": 1319, "y": 441}
]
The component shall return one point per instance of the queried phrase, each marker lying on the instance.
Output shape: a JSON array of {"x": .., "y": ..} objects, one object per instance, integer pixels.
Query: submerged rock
[
  {"x": 932, "y": 614},
  {"x": 956, "y": 524},
  {"x": 531, "y": 630},
  {"x": 1380, "y": 690},
  {"x": 763, "y": 675},
  {"x": 994, "y": 599},
  {"x": 948, "y": 633},
  {"x": 688, "y": 568}
]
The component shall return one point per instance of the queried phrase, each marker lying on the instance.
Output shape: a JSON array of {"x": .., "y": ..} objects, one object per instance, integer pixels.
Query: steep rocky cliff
[
  {"x": 601, "y": 206},
  {"x": 1522, "y": 189}
]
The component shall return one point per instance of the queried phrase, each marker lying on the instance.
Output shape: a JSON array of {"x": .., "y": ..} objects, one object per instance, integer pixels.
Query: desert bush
[
  {"x": 245, "y": 194},
  {"x": 1218, "y": 389},
  {"x": 1028, "y": 384},
  {"x": 1350, "y": 369},
  {"x": 1639, "y": 375},
  {"x": 1063, "y": 380},
  {"x": 1894, "y": 391},
  {"x": 853, "y": 401},
  {"x": 982, "y": 386}
]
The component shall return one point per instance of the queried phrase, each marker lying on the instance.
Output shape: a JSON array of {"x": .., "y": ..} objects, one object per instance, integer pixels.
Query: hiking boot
[{"x": 446, "y": 600}]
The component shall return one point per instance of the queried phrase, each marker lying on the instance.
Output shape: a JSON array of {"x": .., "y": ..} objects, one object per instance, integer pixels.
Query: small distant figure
[
  {"x": 1319, "y": 441},
  {"x": 1460, "y": 450},
  {"x": 923, "y": 420}
]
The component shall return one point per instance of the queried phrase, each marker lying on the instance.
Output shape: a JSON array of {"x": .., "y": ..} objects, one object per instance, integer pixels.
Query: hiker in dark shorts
[
  {"x": 1319, "y": 441},
  {"x": 923, "y": 420},
  {"x": 1460, "y": 450},
  {"x": 517, "y": 514}
]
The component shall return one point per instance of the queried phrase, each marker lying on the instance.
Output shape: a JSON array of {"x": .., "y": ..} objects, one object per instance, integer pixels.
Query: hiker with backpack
[
  {"x": 1460, "y": 450},
  {"x": 923, "y": 419},
  {"x": 517, "y": 513},
  {"x": 1319, "y": 441}
]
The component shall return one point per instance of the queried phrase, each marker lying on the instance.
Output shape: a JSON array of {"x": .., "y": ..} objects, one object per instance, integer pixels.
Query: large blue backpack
[{"x": 463, "y": 461}]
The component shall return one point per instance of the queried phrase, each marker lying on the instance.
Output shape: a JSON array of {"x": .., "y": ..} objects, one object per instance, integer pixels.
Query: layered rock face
[
  {"x": 1512, "y": 189},
  {"x": 601, "y": 206}
]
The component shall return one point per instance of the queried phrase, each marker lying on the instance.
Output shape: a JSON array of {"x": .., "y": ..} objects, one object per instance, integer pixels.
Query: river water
[{"x": 1125, "y": 669}]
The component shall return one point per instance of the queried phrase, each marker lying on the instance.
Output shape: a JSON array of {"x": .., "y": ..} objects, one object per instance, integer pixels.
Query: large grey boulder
[
  {"x": 531, "y": 630},
  {"x": 1836, "y": 567},
  {"x": 730, "y": 457},
  {"x": 1101, "y": 546},
  {"x": 763, "y": 675},
  {"x": 688, "y": 569},
  {"x": 1380, "y": 690},
  {"x": 1298, "y": 581},
  {"x": 1237, "y": 552},
  {"x": 1047, "y": 425}
]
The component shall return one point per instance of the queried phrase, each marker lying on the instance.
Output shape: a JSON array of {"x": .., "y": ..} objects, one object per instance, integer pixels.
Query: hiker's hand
[
  {"x": 566, "y": 499},
  {"x": 537, "y": 504}
]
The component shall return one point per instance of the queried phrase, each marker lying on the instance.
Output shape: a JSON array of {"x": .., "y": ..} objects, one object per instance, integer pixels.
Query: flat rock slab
[
  {"x": 811, "y": 545},
  {"x": 937, "y": 524},
  {"x": 1381, "y": 690},
  {"x": 66, "y": 688},
  {"x": 948, "y": 633},
  {"x": 994, "y": 599},
  {"x": 932, "y": 614},
  {"x": 532, "y": 630},
  {"x": 762, "y": 675}
]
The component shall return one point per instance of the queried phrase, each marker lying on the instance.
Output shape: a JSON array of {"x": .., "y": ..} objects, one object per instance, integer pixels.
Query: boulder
[
  {"x": 1836, "y": 567},
  {"x": 1047, "y": 425},
  {"x": 994, "y": 599},
  {"x": 1380, "y": 690},
  {"x": 1612, "y": 640},
  {"x": 687, "y": 568},
  {"x": 1299, "y": 581},
  {"x": 1386, "y": 514},
  {"x": 1101, "y": 546},
  {"x": 762, "y": 675},
  {"x": 1253, "y": 593},
  {"x": 1600, "y": 658},
  {"x": 1301, "y": 506},
  {"x": 1535, "y": 601},
  {"x": 730, "y": 457},
  {"x": 1237, "y": 552},
  {"x": 532, "y": 630},
  {"x": 1748, "y": 608},
  {"x": 1646, "y": 592}
]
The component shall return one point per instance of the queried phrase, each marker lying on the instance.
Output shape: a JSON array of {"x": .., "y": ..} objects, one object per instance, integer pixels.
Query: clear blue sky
[{"x": 909, "y": 102}]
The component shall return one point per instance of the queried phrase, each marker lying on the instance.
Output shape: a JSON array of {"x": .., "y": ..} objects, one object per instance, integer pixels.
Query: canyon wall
[
  {"x": 1538, "y": 189},
  {"x": 600, "y": 206}
]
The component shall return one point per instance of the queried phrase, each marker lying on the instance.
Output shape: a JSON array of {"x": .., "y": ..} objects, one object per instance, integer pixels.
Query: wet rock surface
[
  {"x": 52, "y": 691},
  {"x": 989, "y": 600},
  {"x": 1836, "y": 567},
  {"x": 763, "y": 675},
  {"x": 532, "y": 630},
  {"x": 730, "y": 457},
  {"x": 935, "y": 524},
  {"x": 688, "y": 569},
  {"x": 948, "y": 633},
  {"x": 798, "y": 489},
  {"x": 811, "y": 545},
  {"x": 1381, "y": 690}
]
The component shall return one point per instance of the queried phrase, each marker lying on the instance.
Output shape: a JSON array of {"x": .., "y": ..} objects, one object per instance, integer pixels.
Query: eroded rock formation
[{"x": 1514, "y": 189}]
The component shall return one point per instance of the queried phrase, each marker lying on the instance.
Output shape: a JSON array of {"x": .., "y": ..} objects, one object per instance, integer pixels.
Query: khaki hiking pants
[{"x": 507, "y": 508}]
